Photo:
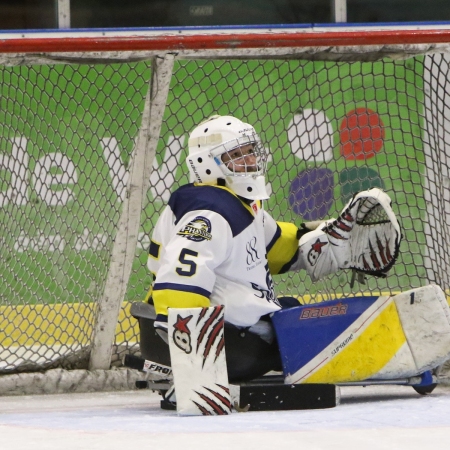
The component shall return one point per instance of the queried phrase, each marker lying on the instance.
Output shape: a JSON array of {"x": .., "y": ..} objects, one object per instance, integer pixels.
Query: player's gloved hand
[
  {"x": 365, "y": 237},
  {"x": 160, "y": 325}
]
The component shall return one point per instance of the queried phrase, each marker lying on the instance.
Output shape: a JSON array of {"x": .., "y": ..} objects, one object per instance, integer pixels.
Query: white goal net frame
[{"x": 93, "y": 132}]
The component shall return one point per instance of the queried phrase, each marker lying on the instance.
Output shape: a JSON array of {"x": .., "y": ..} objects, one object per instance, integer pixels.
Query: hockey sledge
[
  {"x": 355, "y": 341},
  {"x": 254, "y": 393},
  {"x": 267, "y": 393}
]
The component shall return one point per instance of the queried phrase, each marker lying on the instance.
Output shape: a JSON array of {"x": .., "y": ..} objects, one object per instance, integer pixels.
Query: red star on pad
[
  {"x": 317, "y": 246},
  {"x": 181, "y": 324}
]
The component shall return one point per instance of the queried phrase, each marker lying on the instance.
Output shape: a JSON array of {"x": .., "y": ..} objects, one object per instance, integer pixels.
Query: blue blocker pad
[{"x": 317, "y": 341}]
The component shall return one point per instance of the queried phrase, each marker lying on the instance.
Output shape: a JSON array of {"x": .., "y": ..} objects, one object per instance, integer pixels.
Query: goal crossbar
[{"x": 228, "y": 41}]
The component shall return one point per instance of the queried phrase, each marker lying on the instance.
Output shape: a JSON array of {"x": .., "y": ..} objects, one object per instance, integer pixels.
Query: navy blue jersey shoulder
[{"x": 190, "y": 197}]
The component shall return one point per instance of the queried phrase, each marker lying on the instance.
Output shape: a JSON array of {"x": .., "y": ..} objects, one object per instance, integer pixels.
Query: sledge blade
[
  {"x": 283, "y": 397},
  {"x": 144, "y": 365}
]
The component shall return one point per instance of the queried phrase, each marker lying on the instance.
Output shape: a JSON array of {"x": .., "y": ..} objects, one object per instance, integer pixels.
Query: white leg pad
[
  {"x": 425, "y": 317},
  {"x": 197, "y": 353}
]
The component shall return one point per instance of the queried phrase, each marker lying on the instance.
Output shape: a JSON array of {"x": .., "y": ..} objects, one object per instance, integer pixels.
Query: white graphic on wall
[
  {"x": 52, "y": 179},
  {"x": 162, "y": 177},
  {"x": 117, "y": 171},
  {"x": 310, "y": 135}
]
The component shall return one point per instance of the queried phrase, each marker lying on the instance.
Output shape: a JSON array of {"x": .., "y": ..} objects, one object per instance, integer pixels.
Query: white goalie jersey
[{"x": 210, "y": 248}]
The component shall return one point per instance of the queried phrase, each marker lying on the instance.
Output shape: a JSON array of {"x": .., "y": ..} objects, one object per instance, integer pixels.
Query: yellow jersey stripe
[{"x": 168, "y": 298}]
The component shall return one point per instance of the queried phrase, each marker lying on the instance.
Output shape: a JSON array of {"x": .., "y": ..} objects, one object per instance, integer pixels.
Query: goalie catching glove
[{"x": 365, "y": 237}]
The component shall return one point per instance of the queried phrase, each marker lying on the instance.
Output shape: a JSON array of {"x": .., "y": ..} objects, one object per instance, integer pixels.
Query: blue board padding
[
  {"x": 320, "y": 26},
  {"x": 300, "y": 340}
]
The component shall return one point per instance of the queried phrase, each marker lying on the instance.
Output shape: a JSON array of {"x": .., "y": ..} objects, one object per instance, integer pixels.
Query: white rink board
[{"x": 371, "y": 418}]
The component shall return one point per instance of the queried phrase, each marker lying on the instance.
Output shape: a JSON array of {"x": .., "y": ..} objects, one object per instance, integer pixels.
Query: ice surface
[{"x": 371, "y": 418}]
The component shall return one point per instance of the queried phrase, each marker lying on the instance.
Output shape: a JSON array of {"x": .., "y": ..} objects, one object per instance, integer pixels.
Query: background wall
[{"x": 36, "y": 14}]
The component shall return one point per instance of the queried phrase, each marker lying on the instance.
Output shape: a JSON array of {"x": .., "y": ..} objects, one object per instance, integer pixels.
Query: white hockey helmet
[{"x": 244, "y": 165}]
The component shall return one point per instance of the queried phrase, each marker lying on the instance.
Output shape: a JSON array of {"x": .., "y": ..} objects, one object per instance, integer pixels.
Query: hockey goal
[{"x": 93, "y": 132}]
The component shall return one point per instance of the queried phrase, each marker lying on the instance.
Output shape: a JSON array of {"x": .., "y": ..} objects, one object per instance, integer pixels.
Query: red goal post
[{"x": 92, "y": 141}]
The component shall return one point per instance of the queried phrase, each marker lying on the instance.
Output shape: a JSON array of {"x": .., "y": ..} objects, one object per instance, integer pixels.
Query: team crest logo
[
  {"x": 315, "y": 252},
  {"x": 197, "y": 230},
  {"x": 182, "y": 334}
]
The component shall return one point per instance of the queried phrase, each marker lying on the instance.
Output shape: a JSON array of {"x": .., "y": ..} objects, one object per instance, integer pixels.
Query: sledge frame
[{"x": 269, "y": 392}]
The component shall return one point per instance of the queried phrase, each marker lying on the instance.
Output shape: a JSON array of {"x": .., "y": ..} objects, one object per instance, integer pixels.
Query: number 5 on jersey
[{"x": 185, "y": 258}]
